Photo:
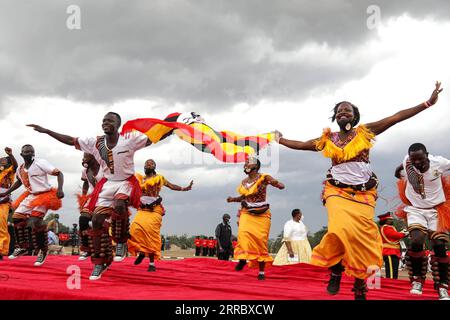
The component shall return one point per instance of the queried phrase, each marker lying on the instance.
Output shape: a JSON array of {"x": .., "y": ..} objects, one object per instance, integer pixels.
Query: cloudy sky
[{"x": 248, "y": 66}]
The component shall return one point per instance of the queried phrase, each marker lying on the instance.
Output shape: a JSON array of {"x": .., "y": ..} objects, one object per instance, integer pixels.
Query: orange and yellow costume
[
  {"x": 6, "y": 181},
  {"x": 353, "y": 237},
  {"x": 146, "y": 227},
  {"x": 253, "y": 233}
]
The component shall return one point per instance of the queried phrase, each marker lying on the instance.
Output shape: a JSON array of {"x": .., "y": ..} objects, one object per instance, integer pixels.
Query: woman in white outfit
[{"x": 295, "y": 247}]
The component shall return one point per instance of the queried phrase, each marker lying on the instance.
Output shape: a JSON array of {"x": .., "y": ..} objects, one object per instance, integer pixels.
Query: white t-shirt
[
  {"x": 434, "y": 193},
  {"x": 352, "y": 173},
  {"x": 122, "y": 154},
  {"x": 98, "y": 177},
  {"x": 295, "y": 230},
  {"x": 35, "y": 178}
]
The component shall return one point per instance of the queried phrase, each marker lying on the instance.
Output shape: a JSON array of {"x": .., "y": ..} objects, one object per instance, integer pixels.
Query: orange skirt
[
  {"x": 253, "y": 238},
  {"x": 353, "y": 237},
  {"x": 145, "y": 232},
  {"x": 46, "y": 199}
]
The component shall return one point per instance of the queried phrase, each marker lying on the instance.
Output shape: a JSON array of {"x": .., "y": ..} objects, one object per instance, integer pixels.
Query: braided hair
[{"x": 356, "y": 113}]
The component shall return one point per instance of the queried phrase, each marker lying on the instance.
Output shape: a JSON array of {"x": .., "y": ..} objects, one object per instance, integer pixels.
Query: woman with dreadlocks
[{"x": 352, "y": 243}]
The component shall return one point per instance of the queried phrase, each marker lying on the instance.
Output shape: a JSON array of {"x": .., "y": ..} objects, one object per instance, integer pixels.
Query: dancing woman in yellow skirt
[
  {"x": 254, "y": 218},
  {"x": 352, "y": 242},
  {"x": 8, "y": 167},
  {"x": 145, "y": 230},
  {"x": 295, "y": 247}
]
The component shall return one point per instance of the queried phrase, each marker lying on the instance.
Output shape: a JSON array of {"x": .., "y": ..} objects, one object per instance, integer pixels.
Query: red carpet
[{"x": 188, "y": 279}]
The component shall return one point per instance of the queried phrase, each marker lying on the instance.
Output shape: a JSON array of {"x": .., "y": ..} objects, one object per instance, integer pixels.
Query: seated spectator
[{"x": 53, "y": 243}]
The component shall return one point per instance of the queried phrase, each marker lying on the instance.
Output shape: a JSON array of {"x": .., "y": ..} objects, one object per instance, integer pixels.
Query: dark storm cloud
[{"x": 210, "y": 53}]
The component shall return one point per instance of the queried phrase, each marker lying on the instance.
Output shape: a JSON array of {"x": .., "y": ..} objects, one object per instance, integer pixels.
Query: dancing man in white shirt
[
  {"x": 32, "y": 206},
  {"x": 425, "y": 192},
  {"x": 114, "y": 192}
]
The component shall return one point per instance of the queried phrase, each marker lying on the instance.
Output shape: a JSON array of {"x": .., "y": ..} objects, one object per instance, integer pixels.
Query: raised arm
[
  {"x": 178, "y": 188},
  {"x": 58, "y": 136},
  {"x": 309, "y": 145},
  {"x": 379, "y": 127},
  {"x": 13, "y": 159},
  {"x": 275, "y": 183}
]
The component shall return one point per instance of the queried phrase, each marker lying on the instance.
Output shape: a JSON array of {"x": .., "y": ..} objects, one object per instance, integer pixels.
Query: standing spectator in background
[
  {"x": 211, "y": 247},
  {"x": 163, "y": 243},
  {"x": 223, "y": 237},
  {"x": 167, "y": 242},
  {"x": 295, "y": 247},
  {"x": 198, "y": 246},
  {"x": 391, "y": 245},
  {"x": 205, "y": 246}
]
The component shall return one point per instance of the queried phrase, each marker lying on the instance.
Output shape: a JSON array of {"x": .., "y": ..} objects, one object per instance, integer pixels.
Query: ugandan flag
[{"x": 226, "y": 146}]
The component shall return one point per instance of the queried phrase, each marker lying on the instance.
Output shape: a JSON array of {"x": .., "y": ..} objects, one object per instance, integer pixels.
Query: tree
[
  {"x": 315, "y": 238},
  {"x": 275, "y": 244}
]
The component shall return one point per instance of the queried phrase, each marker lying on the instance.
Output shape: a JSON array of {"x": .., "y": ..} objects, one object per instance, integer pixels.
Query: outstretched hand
[
  {"x": 435, "y": 95},
  {"x": 37, "y": 128},
  {"x": 189, "y": 187},
  {"x": 8, "y": 151},
  {"x": 278, "y": 136}
]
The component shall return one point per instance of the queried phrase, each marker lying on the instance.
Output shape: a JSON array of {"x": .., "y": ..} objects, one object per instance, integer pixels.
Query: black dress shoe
[
  {"x": 151, "y": 268},
  {"x": 261, "y": 277},
  {"x": 139, "y": 259}
]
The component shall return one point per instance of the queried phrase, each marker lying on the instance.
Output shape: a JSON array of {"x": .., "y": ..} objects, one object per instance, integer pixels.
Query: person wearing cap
[
  {"x": 391, "y": 244},
  {"x": 224, "y": 240}
]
